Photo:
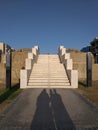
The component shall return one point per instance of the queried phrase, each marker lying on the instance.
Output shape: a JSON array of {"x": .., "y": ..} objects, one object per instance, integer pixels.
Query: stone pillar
[
  {"x": 89, "y": 69},
  {"x": 96, "y": 57},
  {"x": 8, "y": 69}
]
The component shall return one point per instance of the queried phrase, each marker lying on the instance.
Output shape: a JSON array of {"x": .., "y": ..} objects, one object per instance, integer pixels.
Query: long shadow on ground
[
  {"x": 5, "y": 95},
  {"x": 51, "y": 113}
]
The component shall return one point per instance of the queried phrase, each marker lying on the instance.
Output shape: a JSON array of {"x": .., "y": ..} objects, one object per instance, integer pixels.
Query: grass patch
[
  {"x": 7, "y": 95},
  {"x": 90, "y": 93},
  {"x": 82, "y": 83}
]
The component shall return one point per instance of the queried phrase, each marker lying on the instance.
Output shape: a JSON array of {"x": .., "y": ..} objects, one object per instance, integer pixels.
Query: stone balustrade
[
  {"x": 68, "y": 64},
  {"x": 29, "y": 62}
]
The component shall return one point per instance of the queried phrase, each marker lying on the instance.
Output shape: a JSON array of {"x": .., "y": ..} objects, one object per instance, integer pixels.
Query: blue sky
[{"x": 48, "y": 23}]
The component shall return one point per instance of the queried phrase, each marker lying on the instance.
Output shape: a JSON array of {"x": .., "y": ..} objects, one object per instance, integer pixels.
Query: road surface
[{"x": 49, "y": 109}]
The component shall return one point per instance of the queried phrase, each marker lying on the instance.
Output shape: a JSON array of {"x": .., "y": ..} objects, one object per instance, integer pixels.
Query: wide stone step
[
  {"x": 46, "y": 64},
  {"x": 42, "y": 71},
  {"x": 45, "y": 78},
  {"x": 49, "y": 86},
  {"x": 48, "y": 61},
  {"x": 47, "y": 58},
  {"x": 39, "y": 65},
  {"x": 50, "y": 72},
  {"x": 46, "y": 83},
  {"x": 48, "y": 80},
  {"x": 48, "y": 76},
  {"x": 46, "y": 55},
  {"x": 48, "y": 68}
]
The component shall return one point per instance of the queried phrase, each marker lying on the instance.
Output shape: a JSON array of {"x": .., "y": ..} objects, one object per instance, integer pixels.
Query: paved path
[{"x": 49, "y": 109}]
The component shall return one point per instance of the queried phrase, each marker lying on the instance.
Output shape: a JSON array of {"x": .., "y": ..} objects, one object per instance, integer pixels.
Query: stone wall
[
  {"x": 2, "y": 74},
  {"x": 79, "y": 63},
  {"x": 18, "y": 62},
  {"x": 95, "y": 71}
]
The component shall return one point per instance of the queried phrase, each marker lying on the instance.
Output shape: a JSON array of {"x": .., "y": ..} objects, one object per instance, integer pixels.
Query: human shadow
[
  {"x": 62, "y": 119},
  {"x": 43, "y": 116},
  {"x": 51, "y": 113}
]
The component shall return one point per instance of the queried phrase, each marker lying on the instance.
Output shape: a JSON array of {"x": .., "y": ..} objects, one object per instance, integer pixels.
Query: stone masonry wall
[
  {"x": 2, "y": 74},
  {"x": 95, "y": 71},
  {"x": 79, "y": 63},
  {"x": 18, "y": 62}
]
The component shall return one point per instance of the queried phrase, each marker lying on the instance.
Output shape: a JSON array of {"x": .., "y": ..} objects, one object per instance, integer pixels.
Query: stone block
[
  {"x": 30, "y": 55},
  {"x": 28, "y": 64},
  {"x": 69, "y": 64},
  {"x": 34, "y": 51},
  {"x": 37, "y": 48},
  {"x": 24, "y": 76},
  {"x": 73, "y": 78},
  {"x": 67, "y": 56},
  {"x": 63, "y": 51},
  {"x": 61, "y": 47}
]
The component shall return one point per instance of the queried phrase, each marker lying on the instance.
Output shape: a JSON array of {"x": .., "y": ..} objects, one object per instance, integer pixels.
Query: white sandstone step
[
  {"x": 50, "y": 72},
  {"x": 50, "y": 86},
  {"x": 46, "y": 83},
  {"x": 47, "y": 75},
  {"x": 48, "y": 80}
]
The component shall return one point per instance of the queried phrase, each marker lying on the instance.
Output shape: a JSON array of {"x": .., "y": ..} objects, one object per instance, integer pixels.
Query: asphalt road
[{"x": 49, "y": 109}]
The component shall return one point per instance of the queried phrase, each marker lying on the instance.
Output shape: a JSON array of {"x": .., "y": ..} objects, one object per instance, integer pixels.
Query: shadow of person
[
  {"x": 61, "y": 118},
  {"x": 43, "y": 116}
]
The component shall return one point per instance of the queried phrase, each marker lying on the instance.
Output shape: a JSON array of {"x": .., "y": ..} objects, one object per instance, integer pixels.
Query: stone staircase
[{"x": 48, "y": 72}]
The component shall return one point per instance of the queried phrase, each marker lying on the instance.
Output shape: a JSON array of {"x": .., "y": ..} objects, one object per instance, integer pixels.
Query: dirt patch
[
  {"x": 91, "y": 93},
  {"x": 8, "y": 95},
  {"x": 4, "y": 105}
]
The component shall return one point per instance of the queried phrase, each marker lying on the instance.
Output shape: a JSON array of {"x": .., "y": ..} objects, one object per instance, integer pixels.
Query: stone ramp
[{"x": 49, "y": 109}]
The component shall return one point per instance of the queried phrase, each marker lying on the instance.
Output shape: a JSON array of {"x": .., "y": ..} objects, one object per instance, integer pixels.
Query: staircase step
[
  {"x": 50, "y": 86},
  {"x": 46, "y": 78},
  {"x": 49, "y": 79},
  {"x": 46, "y": 83},
  {"x": 59, "y": 74}
]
